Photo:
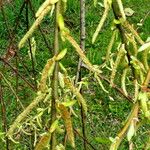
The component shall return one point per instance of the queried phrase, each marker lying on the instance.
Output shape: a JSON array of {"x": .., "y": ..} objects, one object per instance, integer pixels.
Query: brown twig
[
  {"x": 30, "y": 49},
  {"x": 21, "y": 76},
  {"x": 3, "y": 113},
  {"x": 85, "y": 139}
]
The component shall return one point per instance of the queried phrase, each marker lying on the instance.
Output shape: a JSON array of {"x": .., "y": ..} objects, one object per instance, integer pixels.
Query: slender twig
[
  {"x": 21, "y": 76},
  {"x": 79, "y": 73},
  {"x": 6, "y": 23},
  {"x": 30, "y": 49},
  {"x": 3, "y": 113},
  {"x": 55, "y": 77},
  {"x": 85, "y": 140},
  {"x": 11, "y": 88},
  {"x": 82, "y": 36}
]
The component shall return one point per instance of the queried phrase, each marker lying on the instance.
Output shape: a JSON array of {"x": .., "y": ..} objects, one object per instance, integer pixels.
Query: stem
[
  {"x": 79, "y": 73},
  {"x": 21, "y": 76},
  {"x": 3, "y": 113},
  {"x": 55, "y": 77},
  {"x": 82, "y": 36},
  {"x": 30, "y": 49},
  {"x": 85, "y": 139}
]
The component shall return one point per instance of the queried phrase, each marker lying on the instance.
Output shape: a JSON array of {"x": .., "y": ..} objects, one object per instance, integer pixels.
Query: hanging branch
[
  {"x": 82, "y": 37},
  {"x": 55, "y": 76},
  {"x": 21, "y": 76},
  {"x": 89, "y": 143},
  {"x": 79, "y": 74},
  {"x": 30, "y": 48},
  {"x": 3, "y": 114}
]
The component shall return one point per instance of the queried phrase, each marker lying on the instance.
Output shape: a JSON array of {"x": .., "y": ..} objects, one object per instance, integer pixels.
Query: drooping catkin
[
  {"x": 133, "y": 114},
  {"x": 34, "y": 26},
  {"x": 133, "y": 31},
  {"x": 109, "y": 48},
  {"x": 25, "y": 113},
  {"x": 81, "y": 53},
  {"x": 114, "y": 69},
  {"x": 75, "y": 91},
  {"x": 47, "y": 71},
  {"x": 43, "y": 142},
  {"x": 123, "y": 81},
  {"x": 102, "y": 21},
  {"x": 68, "y": 123},
  {"x": 44, "y": 5},
  {"x": 133, "y": 42}
]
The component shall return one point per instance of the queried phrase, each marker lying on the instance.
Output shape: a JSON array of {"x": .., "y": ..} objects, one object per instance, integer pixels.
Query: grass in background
[{"x": 106, "y": 115}]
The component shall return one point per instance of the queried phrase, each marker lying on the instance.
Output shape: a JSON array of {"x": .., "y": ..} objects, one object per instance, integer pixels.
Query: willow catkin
[
  {"x": 44, "y": 5},
  {"x": 68, "y": 123},
  {"x": 101, "y": 23},
  {"x": 34, "y": 26},
  {"x": 75, "y": 91},
  {"x": 47, "y": 71},
  {"x": 121, "y": 9},
  {"x": 81, "y": 53},
  {"x": 25, "y": 113},
  {"x": 111, "y": 43},
  {"x": 114, "y": 69},
  {"x": 123, "y": 81}
]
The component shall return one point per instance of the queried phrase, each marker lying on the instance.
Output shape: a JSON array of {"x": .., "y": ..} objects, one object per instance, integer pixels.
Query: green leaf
[
  {"x": 69, "y": 103},
  {"x": 60, "y": 21},
  {"x": 61, "y": 54},
  {"x": 60, "y": 147},
  {"x": 128, "y": 12},
  {"x": 95, "y": 3},
  {"x": 102, "y": 140},
  {"x": 53, "y": 126},
  {"x": 61, "y": 79},
  {"x": 144, "y": 47},
  {"x": 131, "y": 131}
]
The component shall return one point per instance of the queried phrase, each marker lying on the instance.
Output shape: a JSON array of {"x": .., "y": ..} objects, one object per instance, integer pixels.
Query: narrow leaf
[
  {"x": 69, "y": 103},
  {"x": 60, "y": 21},
  {"x": 144, "y": 47},
  {"x": 53, "y": 126},
  {"x": 61, "y": 80},
  {"x": 61, "y": 54},
  {"x": 131, "y": 131}
]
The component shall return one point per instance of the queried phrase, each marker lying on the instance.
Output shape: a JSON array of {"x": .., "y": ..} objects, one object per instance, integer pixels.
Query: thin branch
[
  {"x": 85, "y": 140},
  {"x": 55, "y": 77},
  {"x": 3, "y": 114},
  {"x": 30, "y": 48},
  {"x": 22, "y": 77},
  {"x": 79, "y": 73}
]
